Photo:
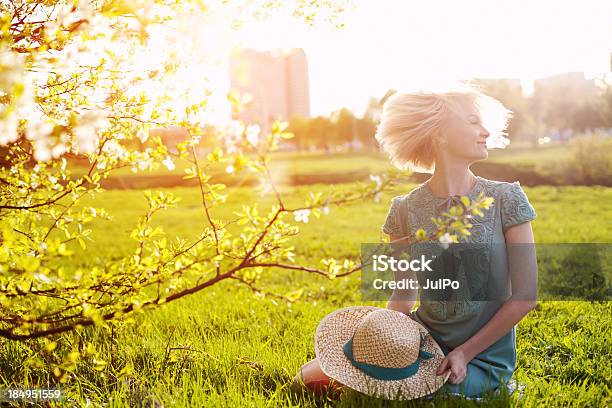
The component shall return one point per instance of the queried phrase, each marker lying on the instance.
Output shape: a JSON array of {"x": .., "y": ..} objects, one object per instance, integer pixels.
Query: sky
[{"x": 403, "y": 43}]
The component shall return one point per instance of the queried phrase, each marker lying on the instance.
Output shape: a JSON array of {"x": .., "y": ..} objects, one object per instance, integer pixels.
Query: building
[
  {"x": 278, "y": 82},
  {"x": 573, "y": 83}
]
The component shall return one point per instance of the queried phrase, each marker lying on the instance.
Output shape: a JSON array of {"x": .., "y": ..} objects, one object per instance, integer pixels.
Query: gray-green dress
[{"x": 452, "y": 323}]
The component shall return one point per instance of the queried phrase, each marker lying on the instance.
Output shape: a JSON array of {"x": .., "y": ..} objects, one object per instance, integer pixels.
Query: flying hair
[{"x": 411, "y": 119}]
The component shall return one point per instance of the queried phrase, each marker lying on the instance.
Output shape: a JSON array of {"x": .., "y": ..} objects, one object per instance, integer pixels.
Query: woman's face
[{"x": 464, "y": 136}]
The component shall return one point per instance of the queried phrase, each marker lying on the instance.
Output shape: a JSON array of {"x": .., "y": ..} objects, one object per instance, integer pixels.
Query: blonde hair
[{"x": 410, "y": 121}]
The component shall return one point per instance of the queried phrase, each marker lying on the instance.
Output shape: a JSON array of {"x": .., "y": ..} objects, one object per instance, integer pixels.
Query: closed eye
[{"x": 475, "y": 120}]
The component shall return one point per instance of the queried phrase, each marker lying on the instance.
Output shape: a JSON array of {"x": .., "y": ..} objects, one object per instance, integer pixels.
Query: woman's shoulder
[
  {"x": 493, "y": 183},
  {"x": 412, "y": 197},
  {"x": 501, "y": 188}
]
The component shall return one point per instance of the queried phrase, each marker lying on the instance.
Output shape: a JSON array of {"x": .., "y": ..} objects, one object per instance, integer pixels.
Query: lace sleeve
[
  {"x": 516, "y": 208},
  {"x": 392, "y": 224}
]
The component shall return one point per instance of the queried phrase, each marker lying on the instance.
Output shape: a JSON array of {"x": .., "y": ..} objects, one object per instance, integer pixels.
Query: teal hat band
[{"x": 387, "y": 373}]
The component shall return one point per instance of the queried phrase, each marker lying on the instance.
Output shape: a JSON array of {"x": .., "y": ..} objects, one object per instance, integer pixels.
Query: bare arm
[
  {"x": 402, "y": 300},
  {"x": 522, "y": 265}
]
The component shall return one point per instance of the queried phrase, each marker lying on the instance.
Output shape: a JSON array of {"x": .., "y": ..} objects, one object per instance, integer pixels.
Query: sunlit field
[
  {"x": 225, "y": 346},
  {"x": 298, "y": 168},
  {"x": 185, "y": 188}
]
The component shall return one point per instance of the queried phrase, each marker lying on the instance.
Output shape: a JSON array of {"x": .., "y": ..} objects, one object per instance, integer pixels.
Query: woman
[{"x": 444, "y": 133}]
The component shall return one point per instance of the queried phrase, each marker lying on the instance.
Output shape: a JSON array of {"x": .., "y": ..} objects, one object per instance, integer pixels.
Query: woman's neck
[{"x": 451, "y": 180}]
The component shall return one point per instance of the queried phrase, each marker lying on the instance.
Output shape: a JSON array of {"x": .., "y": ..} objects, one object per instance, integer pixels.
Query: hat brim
[{"x": 338, "y": 327}]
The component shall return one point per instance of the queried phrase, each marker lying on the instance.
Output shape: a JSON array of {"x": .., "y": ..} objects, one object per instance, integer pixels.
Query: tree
[
  {"x": 320, "y": 132},
  {"x": 344, "y": 123},
  {"x": 74, "y": 85},
  {"x": 603, "y": 104},
  {"x": 366, "y": 126},
  {"x": 300, "y": 129},
  {"x": 568, "y": 101}
]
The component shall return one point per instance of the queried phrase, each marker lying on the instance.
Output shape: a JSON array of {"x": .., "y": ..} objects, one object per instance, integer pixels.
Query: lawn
[
  {"x": 298, "y": 168},
  {"x": 227, "y": 347}
]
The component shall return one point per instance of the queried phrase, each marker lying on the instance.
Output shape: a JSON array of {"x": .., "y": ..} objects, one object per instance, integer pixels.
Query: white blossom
[
  {"x": 113, "y": 149},
  {"x": 87, "y": 128},
  {"x": 325, "y": 210},
  {"x": 66, "y": 16},
  {"x": 26, "y": 105},
  {"x": 142, "y": 135},
  {"x": 42, "y": 152},
  {"x": 11, "y": 70},
  {"x": 235, "y": 130},
  {"x": 145, "y": 164},
  {"x": 169, "y": 163},
  {"x": 42, "y": 277},
  {"x": 39, "y": 129},
  {"x": 302, "y": 215},
  {"x": 8, "y": 129},
  {"x": 378, "y": 183},
  {"x": 38, "y": 132},
  {"x": 58, "y": 150},
  {"x": 445, "y": 240},
  {"x": 230, "y": 169},
  {"x": 85, "y": 10},
  {"x": 377, "y": 180},
  {"x": 252, "y": 134},
  {"x": 265, "y": 186},
  {"x": 145, "y": 11},
  {"x": 233, "y": 134}
]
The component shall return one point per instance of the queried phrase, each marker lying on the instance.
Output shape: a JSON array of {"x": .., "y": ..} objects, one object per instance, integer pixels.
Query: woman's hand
[{"x": 456, "y": 362}]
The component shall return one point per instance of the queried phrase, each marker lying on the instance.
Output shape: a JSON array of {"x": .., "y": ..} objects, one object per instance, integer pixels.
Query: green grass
[
  {"x": 295, "y": 168},
  {"x": 227, "y": 347},
  {"x": 530, "y": 156},
  {"x": 292, "y": 162}
]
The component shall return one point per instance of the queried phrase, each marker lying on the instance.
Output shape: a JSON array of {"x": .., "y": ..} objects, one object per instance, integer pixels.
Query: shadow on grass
[{"x": 350, "y": 398}]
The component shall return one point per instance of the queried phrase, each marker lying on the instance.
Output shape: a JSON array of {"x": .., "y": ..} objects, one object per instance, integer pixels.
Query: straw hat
[{"x": 379, "y": 352}]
